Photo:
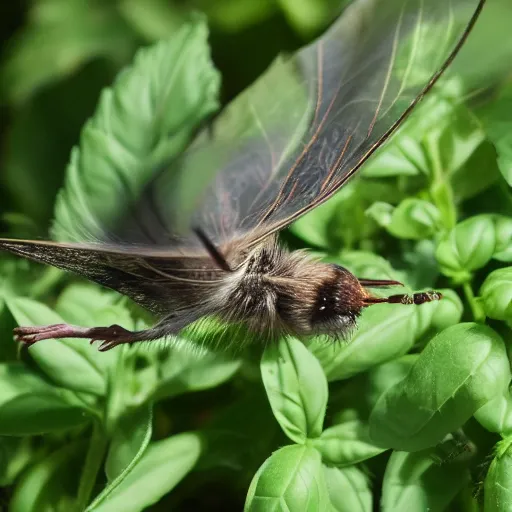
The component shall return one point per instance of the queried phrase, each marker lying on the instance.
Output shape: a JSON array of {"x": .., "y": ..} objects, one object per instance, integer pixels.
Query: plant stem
[
  {"x": 476, "y": 309},
  {"x": 441, "y": 189},
  {"x": 93, "y": 460}
]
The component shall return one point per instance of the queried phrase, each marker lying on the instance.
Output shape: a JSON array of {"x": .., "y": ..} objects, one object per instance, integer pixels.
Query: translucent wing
[{"x": 291, "y": 140}]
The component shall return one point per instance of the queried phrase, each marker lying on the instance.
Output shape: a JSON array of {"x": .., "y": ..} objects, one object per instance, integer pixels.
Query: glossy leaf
[
  {"x": 129, "y": 441},
  {"x": 497, "y": 125},
  {"x": 346, "y": 444},
  {"x": 384, "y": 332},
  {"x": 348, "y": 488},
  {"x": 68, "y": 362},
  {"x": 16, "y": 453},
  {"x": 469, "y": 246},
  {"x": 460, "y": 370},
  {"x": 184, "y": 371},
  {"x": 291, "y": 479},
  {"x": 414, "y": 483},
  {"x": 498, "y": 482},
  {"x": 414, "y": 219},
  {"x": 164, "y": 464},
  {"x": 472, "y": 244},
  {"x": 496, "y": 415},
  {"x": 438, "y": 315},
  {"x": 503, "y": 227},
  {"x": 296, "y": 387},
  {"x": 128, "y": 136},
  {"x": 496, "y": 294},
  {"x": 29, "y": 405},
  {"x": 46, "y": 485}
]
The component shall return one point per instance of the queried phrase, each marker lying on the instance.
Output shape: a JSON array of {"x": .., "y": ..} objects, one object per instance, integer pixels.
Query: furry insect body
[
  {"x": 276, "y": 292},
  {"x": 272, "y": 291}
]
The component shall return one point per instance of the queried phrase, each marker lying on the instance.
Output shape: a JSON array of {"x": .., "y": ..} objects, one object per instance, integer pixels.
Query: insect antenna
[
  {"x": 416, "y": 298},
  {"x": 215, "y": 254},
  {"x": 379, "y": 283}
]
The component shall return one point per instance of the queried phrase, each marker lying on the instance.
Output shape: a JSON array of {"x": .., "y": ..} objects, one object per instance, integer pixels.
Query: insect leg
[{"x": 109, "y": 336}]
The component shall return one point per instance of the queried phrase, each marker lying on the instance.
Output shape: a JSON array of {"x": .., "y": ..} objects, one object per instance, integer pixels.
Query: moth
[{"x": 200, "y": 239}]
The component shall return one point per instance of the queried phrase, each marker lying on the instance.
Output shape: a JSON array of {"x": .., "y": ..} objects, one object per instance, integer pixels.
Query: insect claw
[{"x": 107, "y": 345}]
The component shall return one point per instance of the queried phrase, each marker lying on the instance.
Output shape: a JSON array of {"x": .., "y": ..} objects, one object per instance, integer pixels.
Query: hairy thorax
[{"x": 275, "y": 292}]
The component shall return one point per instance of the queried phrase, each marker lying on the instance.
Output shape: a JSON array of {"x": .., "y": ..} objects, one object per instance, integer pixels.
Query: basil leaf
[
  {"x": 123, "y": 144},
  {"x": 164, "y": 464},
  {"x": 414, "y": 483},
  {"x": 29, "y": 405},
  {"x": 348, "y": 488},
  {"x": 68, "y": 362},
  {"x": 296, "y": 387},
  {"x": 460, "y": 370},
  {"x": 291, "y": 479},
  {"x": 346, "y": 444},
  {"x": 498, "y": 482}
]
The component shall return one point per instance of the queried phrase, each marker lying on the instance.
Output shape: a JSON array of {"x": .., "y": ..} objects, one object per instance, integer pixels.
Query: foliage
[{"x": 413, "y": 413}]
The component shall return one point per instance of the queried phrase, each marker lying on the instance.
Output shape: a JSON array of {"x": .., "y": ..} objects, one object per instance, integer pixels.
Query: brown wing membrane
[
  {"x": 305, "y": 127},
  {"x": 160, "y": 284}
]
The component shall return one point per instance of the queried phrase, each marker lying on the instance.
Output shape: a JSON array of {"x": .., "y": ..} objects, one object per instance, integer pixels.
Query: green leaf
[
  {"x": 129, "y": 441},
  {"x": 184, "y": 371},
  {"x": 496, "y": 122},
  {"x": 414, "y": 483},
  {"x": 385, "y": 332},
  {"x": 49, "y": 484},
  {"x": 368, "y": 265},
  {"x": 469, "y": 180},
  {"x": 460, "y": 370},
  {"x": 468, "y": 247},
  {"x": 414, "y": 219},
  {"x": 440, "y": 314},
  {"x": 346, "y": 444},
  {"x": 503, "y": 238},
  {"x": 153, "y": 19},
  {"x": 291, "y": 479},
  {"x": 381, "y": 213},
  {"x": 496, "y": 294},
  {"x": 498, "y": 482},
  {"x": 68, "y": 362},
  {"x": 164, "y": 464},
  {"x": 404, "y": 156},
  {"x": 314, "y": 228},
  {"x": 147, "y": 117},
  {"x": 61, "y": 36},
  {"x": 496, "y": 415},
  {"x": 30, "y": 405},
  {"x": 80, "y": 302},
  {"x": 16, "y": 453},
  {"x": 296, "y": 387},
  {"x": 308, "y": 16},
  {"x": 232, "y": 16},
  {"x": 88, "y": 305},
  {"x": 348, "y": 489}
]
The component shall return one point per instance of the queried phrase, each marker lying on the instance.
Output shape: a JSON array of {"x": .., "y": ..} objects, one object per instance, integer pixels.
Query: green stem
[
  {"x": 441, "y": 189},
  {"x": 93, "y": 460},
  {"x": 476, "y": 309}
]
